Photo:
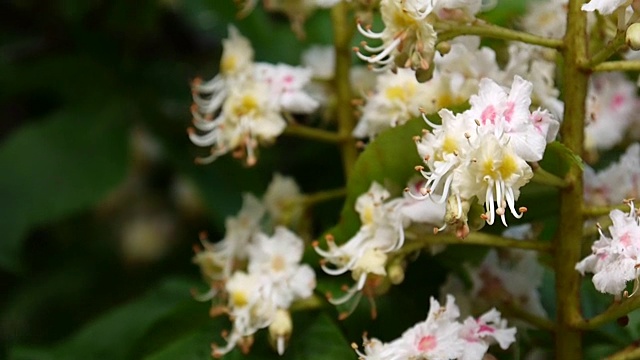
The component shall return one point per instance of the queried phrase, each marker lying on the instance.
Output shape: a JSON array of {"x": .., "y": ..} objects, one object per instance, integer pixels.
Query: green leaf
[
  {"x": 558, "y": 158},
  {"x": 390, "y": 160},
  {"x": 57, "y": 166},
  {"x": 114, "y": 335}
]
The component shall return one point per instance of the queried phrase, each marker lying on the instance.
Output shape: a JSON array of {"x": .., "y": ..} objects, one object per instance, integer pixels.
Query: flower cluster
[
  {"x": 399, "y": 96},
  {"x": 254, "y": 278},
  {"x": 297, "y": 11},
  {"x": 615, "y": 259},
  {"x": 619, "y": 180},
  {"x": 443, "y": 337},
  {"x": 409, "y": 38},
  {"x": 365, "y": 255},
  {"x": 611, "y": 104},
  {"x": 243, "y": 105},
  {"x": 483, "y": 152}
]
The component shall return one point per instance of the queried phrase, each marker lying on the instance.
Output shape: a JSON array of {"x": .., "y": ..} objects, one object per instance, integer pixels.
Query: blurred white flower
[
  {"x": 611, "y": 103},
  {"x": 620, "y": 180},
  {"x": 614, "y": 260},
  {"x": 443, "y": 337}
]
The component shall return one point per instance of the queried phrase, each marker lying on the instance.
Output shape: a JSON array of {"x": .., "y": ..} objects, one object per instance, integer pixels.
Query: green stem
[
  {"x": 310, "y": 133},
  {"x": 568, "y": 240},
  {"x": 343, "y": 29},
  {"x": 631, "y": 352},
  {"x": 322, "y": 196},
  {"x": 612, "y": 47},
  {"x": 614, "y": 312},
  {"x": 475, "y": 238},
  {"x": 621, "y": 65},
  {"x": 541, "y": 176},
  {"x": 449, "y": 30},
  {"x": 512, "y": 310},
  {"x": 311, "y": 303},
  {"x": 596, "y": 211}
]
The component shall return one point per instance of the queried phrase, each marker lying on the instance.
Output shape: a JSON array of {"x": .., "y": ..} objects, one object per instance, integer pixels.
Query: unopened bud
[
  {"x": 280, "y": 330},
  {"x": 443, "y": 47},
  {"x": 395, "y": 272},
  {"x": 633, "y": 36}
]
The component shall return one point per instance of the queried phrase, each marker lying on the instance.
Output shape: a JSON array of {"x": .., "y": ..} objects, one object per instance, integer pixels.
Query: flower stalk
[
  {"x": 343, "y": 30},
  {"x": 568, "y": 240},
  {"x": 311, "y": 133},
  {"x": 449, "y": 30},
  {"x": 476, "y": 238}
]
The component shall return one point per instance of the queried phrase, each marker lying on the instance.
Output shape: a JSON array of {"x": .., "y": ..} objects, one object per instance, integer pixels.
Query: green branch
[
  {"x": 568, "y": 241},
  {"x": 449, "y": 30},
  {"x": 342, "y": 34},
  {"x": 606, "y": 52},
  {"x": 475, "y": 238},
  {"x": 596, "y": 211},
  {"x": 310, "y": 133},
  {"x": 512, "y": 310},
  {"x": 631, "y": 352},
  {"x": 621, "y": 65},
  {"x": 541, "y": 176},
  {"x": 322, "y": 196},
  {"x": 614, "y": 312}
]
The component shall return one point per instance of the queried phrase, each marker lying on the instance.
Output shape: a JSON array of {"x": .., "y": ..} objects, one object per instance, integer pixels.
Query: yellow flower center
[{"x": 239, "y": 298}]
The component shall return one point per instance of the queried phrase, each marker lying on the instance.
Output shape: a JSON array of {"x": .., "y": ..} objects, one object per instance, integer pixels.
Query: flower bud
[
  {"x": 280, "y": 330},
  {"x": 395, "y": 272},
  {"x": 633, "y": 36}
]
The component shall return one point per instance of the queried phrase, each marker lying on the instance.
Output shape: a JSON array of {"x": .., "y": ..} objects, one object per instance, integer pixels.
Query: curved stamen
[
  {"x": 368, "y": 33},
  {"x": 204, "y": 140}
]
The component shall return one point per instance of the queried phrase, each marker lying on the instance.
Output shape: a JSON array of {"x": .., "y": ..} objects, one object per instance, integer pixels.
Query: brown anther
[
  {"x": 467, "y": 135},
  {"x": 416, "y": 138},
  {"x": 343, "y": 315},
  {"x": 484, "y": 217},
  {"x": 523, "y": 209},
  {"x": 328, "y": 295},
  {"x": 406, "y": 189},
  {"x": 637, "y": 266},
  {"x": 191, "y": 131},
  {"x": 354, "y": 346},
  {"x": 329, "y": 238},
  {"x": 344, "y": 287},
  {"x": 427, "y": 157},
  {"x": 360, "y": 144},
  {"x": 315, "y": 243},
  {"x": 477, "y": 122},
  {"x": 500, "y": 211},
  {"x": 323, "y": 261},
  {"x": 224, "y": 333},
  {"x": 435, "y": 230},
  {"x": 203, "y": 235},
  {"x": 355, "y": 49},
  {"x": 419, "y": 168},
  {"x": 421, "y": 109}
]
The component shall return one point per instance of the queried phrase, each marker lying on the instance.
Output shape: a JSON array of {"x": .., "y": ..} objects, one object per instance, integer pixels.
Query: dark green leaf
[
  {"x": 58, "y": 166},
  {"x": 390, "y": 160},
  {"x": 114, "y": 335}
]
